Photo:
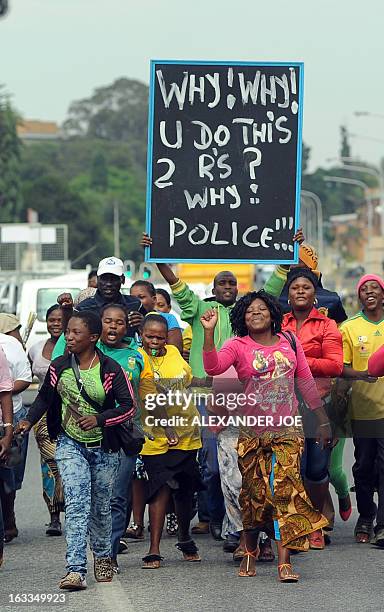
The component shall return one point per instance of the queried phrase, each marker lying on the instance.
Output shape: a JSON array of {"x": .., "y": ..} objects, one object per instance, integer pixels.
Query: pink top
[
  {"x": 6, "y": 383},
  {"x": 268, "y": 374},
  {"x": 376, "y": 363}
]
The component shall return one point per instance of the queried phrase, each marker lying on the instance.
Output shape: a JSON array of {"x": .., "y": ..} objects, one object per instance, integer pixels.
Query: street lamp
[
  {"x": 373, "y": 171},
  {"x": 367, "y": 198},
  {"x": 319, "y": 215}
]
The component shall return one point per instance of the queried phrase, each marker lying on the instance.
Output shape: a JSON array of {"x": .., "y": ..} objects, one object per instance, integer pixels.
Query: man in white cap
[{"x": 110, "y": 278}]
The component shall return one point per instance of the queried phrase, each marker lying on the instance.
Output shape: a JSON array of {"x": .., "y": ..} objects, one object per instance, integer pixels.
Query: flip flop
[
  {"x": 189, "y": 550},
  {"x": 152, "y": 562}
]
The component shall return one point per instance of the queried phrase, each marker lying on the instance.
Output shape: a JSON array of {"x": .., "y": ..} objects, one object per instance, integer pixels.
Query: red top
[
  {"x": 322, "y": 344},
  {"x": 376, "y": 363}
]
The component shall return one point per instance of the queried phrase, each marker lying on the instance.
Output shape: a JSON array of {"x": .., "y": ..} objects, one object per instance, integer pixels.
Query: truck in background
[
  {"x": 205, "y": 273},
  {"x": 39, "y": 294}
]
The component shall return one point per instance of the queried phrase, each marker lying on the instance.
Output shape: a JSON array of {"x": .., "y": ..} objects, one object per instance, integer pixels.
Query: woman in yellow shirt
[{"x": 171, "y": 469}]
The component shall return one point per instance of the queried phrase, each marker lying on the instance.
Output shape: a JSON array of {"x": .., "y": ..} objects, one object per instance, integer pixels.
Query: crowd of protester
[{"x": 240, "y": 407}]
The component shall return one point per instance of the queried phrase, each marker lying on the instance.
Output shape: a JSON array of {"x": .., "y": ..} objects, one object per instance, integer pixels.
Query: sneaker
[
  {"x": 231, "y": 543},
  {"x": 73, "y": 581},
  {"x": 54, "y": 528},
  {"x": 123, "y": 547},
  {"x": 103, "y": 570},
  {"x": 316, "y": 540},
  {"x": 201, "y": 528},
  {"x": 215, "y": 531},
  {"x": 378, "y": 538},
  {"x": 10, "y": 534},
  {"x": 115, "y": 566}
]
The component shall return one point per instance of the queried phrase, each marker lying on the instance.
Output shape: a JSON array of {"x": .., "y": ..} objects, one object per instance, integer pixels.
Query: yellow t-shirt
[
  {"x": 361, "y": 338},
  {"x": 171, "y": 374}
]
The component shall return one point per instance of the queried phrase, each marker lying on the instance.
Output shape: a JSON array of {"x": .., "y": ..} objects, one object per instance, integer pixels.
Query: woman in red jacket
[{"x": 323, "y": 348}]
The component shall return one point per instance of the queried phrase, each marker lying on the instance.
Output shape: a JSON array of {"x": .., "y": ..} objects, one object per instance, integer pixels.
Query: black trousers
[{"x": 368, "y": 470}]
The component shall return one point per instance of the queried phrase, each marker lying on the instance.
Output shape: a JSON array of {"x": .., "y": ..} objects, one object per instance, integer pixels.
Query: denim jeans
[
  {"x": 315, "y": 462},
  {"x": 210, "y": 501},
  {"x": 88, "y": 475},
  {"x": 120, "y": 499},
  {"x": 19, "y": 470}
]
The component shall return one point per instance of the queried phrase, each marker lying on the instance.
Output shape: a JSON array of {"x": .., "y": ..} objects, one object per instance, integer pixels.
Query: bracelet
[
  {"x": 325, "y": 424},
  {"x": 8, "y": 425}
]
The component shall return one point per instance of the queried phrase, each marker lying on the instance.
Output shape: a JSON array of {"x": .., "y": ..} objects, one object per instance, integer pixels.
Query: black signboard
[{"x": 224, "y": 161}]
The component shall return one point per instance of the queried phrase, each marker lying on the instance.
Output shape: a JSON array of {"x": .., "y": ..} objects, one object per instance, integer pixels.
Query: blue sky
[{"x": 56, "y": 51}]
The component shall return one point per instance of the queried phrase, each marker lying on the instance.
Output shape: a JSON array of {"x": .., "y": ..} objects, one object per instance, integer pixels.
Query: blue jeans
[
  {"x": 315, "y": 462},
  {"x": 210, "y": 501},
  {"x": 19, "y": 470},
  {"x": 15, "y": 474},
  {"x": 88, "y": 475},
  {"x": 120, "y": 499}
]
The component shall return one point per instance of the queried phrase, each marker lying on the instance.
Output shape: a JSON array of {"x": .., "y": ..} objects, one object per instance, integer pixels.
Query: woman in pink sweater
[{"x": 272, "y": 497}]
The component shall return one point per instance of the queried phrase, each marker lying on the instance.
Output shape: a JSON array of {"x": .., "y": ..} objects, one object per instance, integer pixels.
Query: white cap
[{"x": 111, "y": 265}]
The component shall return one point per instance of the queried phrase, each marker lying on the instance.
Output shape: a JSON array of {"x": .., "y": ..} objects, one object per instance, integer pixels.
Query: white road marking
[{"x": 114, "y": 597}]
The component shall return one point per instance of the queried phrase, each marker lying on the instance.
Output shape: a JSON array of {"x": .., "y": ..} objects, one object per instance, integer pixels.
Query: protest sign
[{"x": 224, "y": 161}]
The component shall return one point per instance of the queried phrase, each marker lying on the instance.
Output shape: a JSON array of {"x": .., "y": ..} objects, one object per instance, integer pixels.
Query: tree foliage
[
  {"x": 10, "y": 184},
  {"x": 101, "y": 160}
]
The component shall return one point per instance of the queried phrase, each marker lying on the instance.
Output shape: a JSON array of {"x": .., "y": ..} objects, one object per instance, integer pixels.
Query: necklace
[
  {"x": 156, "y": 365},
  {"x": 81, "y": 380}
]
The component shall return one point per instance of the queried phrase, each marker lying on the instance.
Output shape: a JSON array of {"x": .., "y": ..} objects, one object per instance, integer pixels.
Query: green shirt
[
  {"x": 59, "y": 348},
  {"x": 132, "y": 363},
  {"x": 73, "y": 405},
  {"x": 192, "y": 307}
]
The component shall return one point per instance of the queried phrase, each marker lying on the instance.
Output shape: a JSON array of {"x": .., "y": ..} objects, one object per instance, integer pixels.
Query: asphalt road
[{"x": 345, "y": 576}]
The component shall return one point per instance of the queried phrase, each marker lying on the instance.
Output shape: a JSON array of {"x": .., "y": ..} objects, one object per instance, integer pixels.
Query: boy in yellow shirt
[{"x": 362, "y": 335}]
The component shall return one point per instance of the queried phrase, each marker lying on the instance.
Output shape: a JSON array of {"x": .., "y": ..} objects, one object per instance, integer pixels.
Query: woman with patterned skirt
[
  {"x": 40, "y": 356},
  {"x": 272, "y": 498}
]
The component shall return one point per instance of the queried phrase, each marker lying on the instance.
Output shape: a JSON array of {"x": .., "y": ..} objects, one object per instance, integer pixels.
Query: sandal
[
  {"x": 266, "y": 553},
  {"x": 238, "y": 555},
  {"x": 135, "y": 532},
  {"x": 244, "y": 569},
  {"x": 363, "y": 531},
  {"x": 151, "y": 562},
  {"x": 286, "y": 573},
  {"x": 189, "y": 550},
  {"x": 171, "y": 524}
]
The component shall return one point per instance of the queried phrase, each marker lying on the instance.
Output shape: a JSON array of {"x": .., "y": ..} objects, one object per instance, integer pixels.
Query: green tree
[
  {"x": 56, "y": 202},
  {"x": 115, "y": 112},
  {"x": 99, "y": 172},
  {"x": 10, "y": 146},
  {"x": 306, "y": 153}
]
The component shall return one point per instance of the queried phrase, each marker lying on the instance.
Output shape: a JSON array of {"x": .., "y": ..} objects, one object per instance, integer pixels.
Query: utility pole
[{"x": 116, "y": 228}]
